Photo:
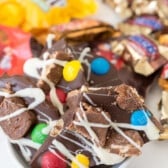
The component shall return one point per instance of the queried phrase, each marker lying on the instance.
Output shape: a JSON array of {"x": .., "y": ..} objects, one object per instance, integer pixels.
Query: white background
[{"x": 154, "y": 155}]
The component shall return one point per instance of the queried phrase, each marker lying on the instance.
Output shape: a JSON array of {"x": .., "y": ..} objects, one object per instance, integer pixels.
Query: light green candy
[{"x": 37, "y": 134}]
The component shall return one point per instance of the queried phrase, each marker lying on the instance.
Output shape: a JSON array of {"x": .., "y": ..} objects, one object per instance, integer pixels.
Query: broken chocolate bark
[
  {"x": 108, "y": 121},
  {"x": 23, "y": 107}
]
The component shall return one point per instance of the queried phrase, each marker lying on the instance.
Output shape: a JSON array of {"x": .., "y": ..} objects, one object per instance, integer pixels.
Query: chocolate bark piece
[
  {"x": 94, "y": 116},
  {"x": 108, "y": 79},
  {"x": 97, "y": 109},
  {"x": 53, "y": 72},
  {"x": 106, "y": 98},
  {"x": 75, "y": 84},
  {"x": 21, "y": 82},
  {"x": 128, "y": 98},
  {"x": 44, "y": 112},
  {"x": 119, "y": 145},
  {"x": 140, "y": 82},
  {"x": 18, "y": 126},
  {"x": 36, "y": 47},
  {"x": 125, "y": 72}
]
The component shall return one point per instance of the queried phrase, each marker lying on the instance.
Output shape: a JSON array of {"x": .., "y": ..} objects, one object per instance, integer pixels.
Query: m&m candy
[
  {"x": 37, "y": 134},
  {"x": 51, "y": 160},
  {"x": 100, "y": 66},
  {"x": 82, "y": 159},
  {"x": 71, "y": 70},
  {"x": 61, "y": 95},
  {"x": 139, "y": 118}
]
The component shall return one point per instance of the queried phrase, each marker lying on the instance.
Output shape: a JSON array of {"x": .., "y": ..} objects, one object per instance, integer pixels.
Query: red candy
[
  {"x": 61, "y": 95},
  {"x": 50, "y": 160}
]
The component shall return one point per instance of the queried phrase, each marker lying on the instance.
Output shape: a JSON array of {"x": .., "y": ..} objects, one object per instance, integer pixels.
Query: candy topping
[
  {"x": 82, "y": 159},
  {"x": 139, "y": 118},
  {"x": 146, "y": 45},
  {"x": 61, "y": 95},
  {"x": 100, "y": 66},
  {"x": 37, "y": 134},
  {"x": 51, "y": 160},
  {"x": 71, "y": 70}
]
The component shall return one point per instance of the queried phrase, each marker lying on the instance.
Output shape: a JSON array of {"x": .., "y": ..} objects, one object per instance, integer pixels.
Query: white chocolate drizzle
[
  {"x": 35, "y": 93},
  {"x": 83, "y": 59},
  {"x": 31, "y": 67},
  {"x": 49, "y": 40},
  {"x": 23, "y": 144},
  {"x": 59, "y": 146}
]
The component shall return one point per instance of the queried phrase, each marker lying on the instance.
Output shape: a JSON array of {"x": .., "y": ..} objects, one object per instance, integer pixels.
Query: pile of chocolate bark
[{"x": 80, "y": 102}]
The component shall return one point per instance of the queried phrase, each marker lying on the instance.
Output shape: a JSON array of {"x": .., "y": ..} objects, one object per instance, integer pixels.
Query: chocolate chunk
[
  {"x": 36, "y": 47},
  {"x": 17, "y": 126},
  {"x": 92, "y": 115},
  {"x": 128, "y": 98},
  {"x": 73, "y": 98},
  {"x": 45, "y": 112},
  {"x": 140, "y": 82},
  {"x": 119, "y": 145},
  {"x": 53, "y": 72}
]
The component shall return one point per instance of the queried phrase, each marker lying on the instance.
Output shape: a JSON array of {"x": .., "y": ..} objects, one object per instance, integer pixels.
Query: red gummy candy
[{"x": 50, "y": 160}]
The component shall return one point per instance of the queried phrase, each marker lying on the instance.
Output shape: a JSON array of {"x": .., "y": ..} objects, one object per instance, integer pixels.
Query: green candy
[{"x": 37, "y": 135}]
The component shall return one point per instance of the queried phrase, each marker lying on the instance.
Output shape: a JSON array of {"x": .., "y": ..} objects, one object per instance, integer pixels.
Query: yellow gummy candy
[
  {"x": 71, "y": 70},
  {"x": 84, "y": 160},
  {"x": 12, "y": 14}
]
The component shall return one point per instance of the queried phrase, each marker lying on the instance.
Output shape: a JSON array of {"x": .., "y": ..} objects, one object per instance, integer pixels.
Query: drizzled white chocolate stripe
[
  {"x": 23, "y": 144},
  {"x": 31, "y": 67},
  {"x": 35, "y": 93}
]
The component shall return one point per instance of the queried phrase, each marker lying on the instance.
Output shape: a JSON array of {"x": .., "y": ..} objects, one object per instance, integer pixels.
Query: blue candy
[
  {"x": 100, "y": 66},
  {"x": 139, "y": 118}
]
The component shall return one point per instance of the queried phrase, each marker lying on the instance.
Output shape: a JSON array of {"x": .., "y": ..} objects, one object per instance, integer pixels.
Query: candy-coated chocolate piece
[
  {"x": 139, "y": 118},
  {"x": 61, "y": 95},
  {"x": 37, "y": 134},
  {"x": 82, "y": 159},
  {"x": 100, "y": 66},
  {"x": 71, "y": 70},
  {"x": 51, "y": 160}
]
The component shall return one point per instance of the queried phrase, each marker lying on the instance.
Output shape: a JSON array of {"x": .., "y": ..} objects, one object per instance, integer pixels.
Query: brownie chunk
[{"x": 16, "y": 127}]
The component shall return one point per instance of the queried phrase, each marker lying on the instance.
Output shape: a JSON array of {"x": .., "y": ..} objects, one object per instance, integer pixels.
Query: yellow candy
[
  {"x": 71, "y": 70},
  {"x": 84, "y": 160},
  {"x": 12, "y": 14},
  {"x": 31, "y": 14}
]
